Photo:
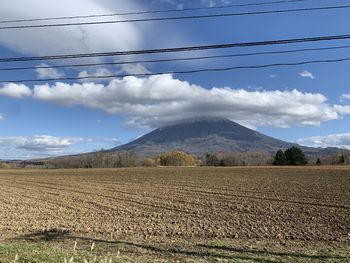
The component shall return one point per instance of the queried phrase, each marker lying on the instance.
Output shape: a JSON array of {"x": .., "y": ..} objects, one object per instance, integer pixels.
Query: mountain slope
[{"x": 201, "y": 135}]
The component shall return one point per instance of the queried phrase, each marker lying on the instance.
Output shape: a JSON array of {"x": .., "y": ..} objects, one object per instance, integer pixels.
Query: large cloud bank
[{"x": 156, "y": 100}]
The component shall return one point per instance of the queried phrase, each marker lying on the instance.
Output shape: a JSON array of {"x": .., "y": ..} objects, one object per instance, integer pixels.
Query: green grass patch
[
  {"x": 215, "y": 251},
  {"x": 29, "y": 253},
  {"x": 217, "y": 243},
  {"x": 41, "y": 253}
]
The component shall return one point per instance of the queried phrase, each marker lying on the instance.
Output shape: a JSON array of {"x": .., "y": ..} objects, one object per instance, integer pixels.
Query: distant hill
[{"x": 198, "y": 136}]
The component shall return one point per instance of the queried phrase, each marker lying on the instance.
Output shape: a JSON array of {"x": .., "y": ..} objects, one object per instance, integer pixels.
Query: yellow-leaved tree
[
  {"x": 5, "y": 166},
  {"x": 177, "y": 158}
]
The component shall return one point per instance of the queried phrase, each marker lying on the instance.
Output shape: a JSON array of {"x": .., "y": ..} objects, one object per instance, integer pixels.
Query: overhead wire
[
  {"x": 175, "y": 59},
  {"x": 179, "y": 49},
  {"x": 181, "y": 72},
  {"x": 152, "y": 11},
  {"x": 206, "y": 16}
]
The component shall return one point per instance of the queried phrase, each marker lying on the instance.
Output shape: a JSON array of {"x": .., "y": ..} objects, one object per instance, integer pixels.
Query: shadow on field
[
  {"x": 270, "y": 253},
  {"x": 201, "y": 251},
  {"x": 48, "y": 235}
]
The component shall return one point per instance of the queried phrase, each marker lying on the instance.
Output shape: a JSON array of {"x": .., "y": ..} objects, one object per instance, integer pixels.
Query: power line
[
  {"x": 181, "y": 72},
  {"x": 179, "y": 17},
  {"x": 152, "y": 11},
  {"x": 176, "y": 59},
  {"x": 179, "y": 49}
]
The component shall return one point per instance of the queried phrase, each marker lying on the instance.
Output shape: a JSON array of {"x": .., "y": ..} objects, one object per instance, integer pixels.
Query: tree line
[
  {"x": 106, "y": 159},
  {"x": 295, "y": 156}
]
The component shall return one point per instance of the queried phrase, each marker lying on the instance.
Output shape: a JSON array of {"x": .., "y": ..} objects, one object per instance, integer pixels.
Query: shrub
[
  {"x": 5, "y": 166},
  {"x": 149, "y": 162},
  {"x": 176, "y": 158}
]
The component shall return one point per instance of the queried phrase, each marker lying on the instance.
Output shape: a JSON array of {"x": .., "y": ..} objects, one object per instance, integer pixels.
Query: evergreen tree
[
  {"x": 318, "y": 162},
  {"x": 280, "y": 158},
  {"x": 295, "y": 156},
  {"x": 342, "y": 159},
  {"x": 222, "y": 162}
]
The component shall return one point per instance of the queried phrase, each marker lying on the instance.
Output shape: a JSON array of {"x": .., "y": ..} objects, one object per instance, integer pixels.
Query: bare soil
[{"x": 181, "y": 213}]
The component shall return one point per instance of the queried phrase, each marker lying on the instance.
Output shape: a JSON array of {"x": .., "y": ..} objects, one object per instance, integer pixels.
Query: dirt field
[{"x": 185, "y": 214}]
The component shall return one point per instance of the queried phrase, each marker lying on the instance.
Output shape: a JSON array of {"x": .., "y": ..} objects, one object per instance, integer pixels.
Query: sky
[{"x": 308, "y": 104}]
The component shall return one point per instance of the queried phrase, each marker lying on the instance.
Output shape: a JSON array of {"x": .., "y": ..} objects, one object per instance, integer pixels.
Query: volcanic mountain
[{"x": 199, "y": 136}]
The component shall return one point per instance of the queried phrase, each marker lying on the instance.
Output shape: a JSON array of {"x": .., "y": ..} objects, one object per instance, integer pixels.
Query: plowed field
[{"x": 157, "y": 212}]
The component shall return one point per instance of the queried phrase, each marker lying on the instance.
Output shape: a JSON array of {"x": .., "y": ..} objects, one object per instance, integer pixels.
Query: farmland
[{"x": 261, "y": 214}]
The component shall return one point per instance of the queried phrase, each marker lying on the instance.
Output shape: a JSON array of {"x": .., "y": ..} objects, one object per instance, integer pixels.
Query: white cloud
[
  {"x": 333, "y": 140},
  {"x": 179, "y": 4},
  {"x": 2, "y": 117},
  {"x": 124, "y": 69},
  {"x": 175, "y": 3},
  {"x": 17, "y": 91},
  {"x": 345, "y": 97},
  {"x": 26, "y": 147},
  {"x": 96, "y": 73},
  {"x": 307, "y": 74},
  {"x": 157, "y": 100},
  {"x": 45, "y": 143},
  {"x": 273, "y": 76},
  {"x": 133, "y": 69},
  {"x": 46, "y": 72},
  {"x": 33, "y": 146},
  {"x": 60, "y": 40},
  {"x": 342, "y": 109}
]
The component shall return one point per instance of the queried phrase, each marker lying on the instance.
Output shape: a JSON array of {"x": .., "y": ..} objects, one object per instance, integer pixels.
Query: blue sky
[{"x": 308, "y": 104}]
